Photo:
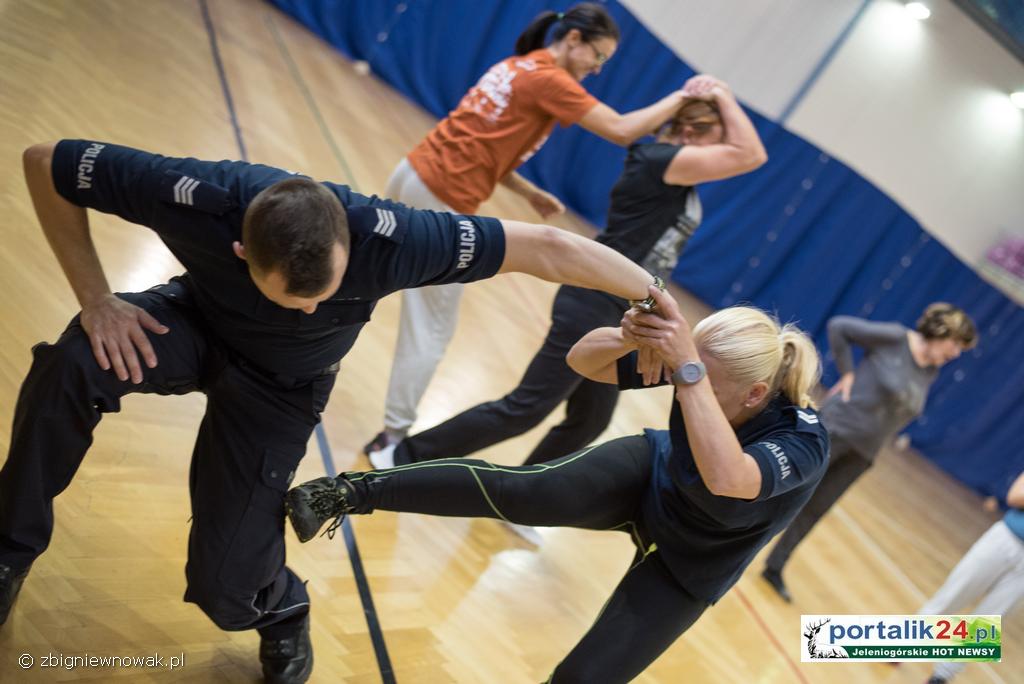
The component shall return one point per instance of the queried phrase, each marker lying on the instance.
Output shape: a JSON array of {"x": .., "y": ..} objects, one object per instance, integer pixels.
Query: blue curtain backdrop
[{"x": 804, "y": 236}]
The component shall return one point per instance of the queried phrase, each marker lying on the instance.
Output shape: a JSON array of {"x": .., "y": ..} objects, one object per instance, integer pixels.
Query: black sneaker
[
  {"x": 313, "y": 503},
  {"x": 377, "y": 443},
  {"x": 774, "y": 578},
  {"x": 287, "y": 661},
  {"x": 935, "y": 680},
  {"x": 10, "y": 585}
]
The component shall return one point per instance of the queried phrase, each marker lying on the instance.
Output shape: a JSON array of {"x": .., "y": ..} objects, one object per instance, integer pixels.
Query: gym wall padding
[{"x": 805, "y": 236}]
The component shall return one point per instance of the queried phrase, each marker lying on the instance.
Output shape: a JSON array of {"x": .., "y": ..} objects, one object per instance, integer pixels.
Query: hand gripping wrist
[{"x": 648, "y": 305}]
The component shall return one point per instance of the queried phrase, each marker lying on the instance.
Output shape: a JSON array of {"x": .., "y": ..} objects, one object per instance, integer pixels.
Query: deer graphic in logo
[{"x": 813, "y": 650}]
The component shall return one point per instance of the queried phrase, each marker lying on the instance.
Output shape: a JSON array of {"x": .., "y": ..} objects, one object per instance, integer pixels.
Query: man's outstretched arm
[{"x": 559, "y": 256}]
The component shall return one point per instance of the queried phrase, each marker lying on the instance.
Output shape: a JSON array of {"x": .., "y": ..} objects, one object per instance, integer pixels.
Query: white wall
[
  {"x": 918, "y": 108},
  {"x": 763, "y": 49}
]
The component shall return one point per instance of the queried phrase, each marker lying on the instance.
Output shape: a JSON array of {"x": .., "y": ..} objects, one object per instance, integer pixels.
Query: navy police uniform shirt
[
  {"x": 196, "y": 207},
  {"x": 708, "y": 540}
]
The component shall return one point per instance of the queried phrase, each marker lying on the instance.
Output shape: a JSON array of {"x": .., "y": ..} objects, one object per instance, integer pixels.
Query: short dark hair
[
  {"x": 943, "y": 321},
  {"x": 291, "y": 228}
]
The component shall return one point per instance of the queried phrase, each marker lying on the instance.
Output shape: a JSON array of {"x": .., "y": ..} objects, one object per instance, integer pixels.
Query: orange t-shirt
[{"x": 499, "y": 124}]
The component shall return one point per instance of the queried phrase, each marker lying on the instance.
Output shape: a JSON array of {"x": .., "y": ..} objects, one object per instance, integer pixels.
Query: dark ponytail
[
  {"x": 590, "y": 19},
  {"x": 533, "y": 37}
]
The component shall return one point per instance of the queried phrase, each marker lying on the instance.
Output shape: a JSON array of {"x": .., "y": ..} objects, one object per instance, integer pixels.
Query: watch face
[{"x": 692, "y": 372}]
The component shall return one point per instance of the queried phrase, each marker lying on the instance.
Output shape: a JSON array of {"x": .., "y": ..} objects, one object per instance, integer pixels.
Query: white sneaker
[
  {"x": 529, "y": 534},
  {"x": 383, "y": 458}
]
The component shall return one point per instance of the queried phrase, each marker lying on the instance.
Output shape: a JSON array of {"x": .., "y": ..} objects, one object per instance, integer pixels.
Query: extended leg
[{"x": 597, "y": 488}]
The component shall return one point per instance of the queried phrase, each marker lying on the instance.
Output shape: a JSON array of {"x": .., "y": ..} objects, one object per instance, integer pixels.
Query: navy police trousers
[{"x": 251, "y": 438}]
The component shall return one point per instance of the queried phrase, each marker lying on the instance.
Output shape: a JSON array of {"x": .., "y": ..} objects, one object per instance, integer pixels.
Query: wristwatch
[
  {"x": 690, "y": 373},
  {"x": 647, "y": 305}
]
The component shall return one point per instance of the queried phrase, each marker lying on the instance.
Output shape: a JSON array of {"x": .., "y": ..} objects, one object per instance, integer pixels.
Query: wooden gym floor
[{"x": 458, "y": 600}]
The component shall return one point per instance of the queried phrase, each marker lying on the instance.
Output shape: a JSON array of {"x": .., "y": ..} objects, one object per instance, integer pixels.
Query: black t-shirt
[
  {"x": 649, "y": 220},
  {"x": 707, "y": 540},
  {"x": 196, "y": 207}
]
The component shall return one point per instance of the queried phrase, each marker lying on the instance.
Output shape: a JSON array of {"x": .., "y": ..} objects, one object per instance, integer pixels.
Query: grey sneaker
[
  {"x": 313, "y": 503},
  {"x": 383, "y": 459},
  {"x": 382, "y": 440}
]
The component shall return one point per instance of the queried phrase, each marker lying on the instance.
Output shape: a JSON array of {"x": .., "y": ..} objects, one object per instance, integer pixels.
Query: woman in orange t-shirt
[{"x": 499, "y": 124}]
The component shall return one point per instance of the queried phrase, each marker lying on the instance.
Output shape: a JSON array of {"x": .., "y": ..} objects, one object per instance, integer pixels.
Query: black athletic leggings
[
  {"x": 547, "y": 382},
  {"x": 599, "y": 488}
]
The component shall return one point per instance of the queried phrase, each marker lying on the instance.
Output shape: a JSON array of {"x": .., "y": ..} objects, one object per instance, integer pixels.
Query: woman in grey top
[{"x": 867, "y": 407}]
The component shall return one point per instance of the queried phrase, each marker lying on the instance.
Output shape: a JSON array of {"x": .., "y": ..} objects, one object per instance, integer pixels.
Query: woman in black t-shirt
[
  {"x": 654, "y": 210},
  {"x": 743, "y": 453}
]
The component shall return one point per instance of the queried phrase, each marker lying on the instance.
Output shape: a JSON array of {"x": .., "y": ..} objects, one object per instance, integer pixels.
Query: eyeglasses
[
  {"x": 599, "y": 56},
  {"x": 698, "y": 127}
]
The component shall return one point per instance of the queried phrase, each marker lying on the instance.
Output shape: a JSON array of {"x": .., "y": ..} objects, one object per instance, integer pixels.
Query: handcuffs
[{"x": 648, "y": 304}]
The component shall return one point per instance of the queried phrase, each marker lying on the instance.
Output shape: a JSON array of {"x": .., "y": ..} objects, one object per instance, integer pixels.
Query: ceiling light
[{"x": 918, "y": 10}]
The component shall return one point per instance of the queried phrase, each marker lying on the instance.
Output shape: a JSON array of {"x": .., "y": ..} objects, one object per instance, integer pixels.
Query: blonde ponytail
[
  {"x": 753, "y": 347},
  {"x": 800, "y": 368}
]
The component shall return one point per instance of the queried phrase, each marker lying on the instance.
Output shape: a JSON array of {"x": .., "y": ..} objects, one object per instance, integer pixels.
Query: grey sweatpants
[
  {"x": 989, "y": 577},
  {"x": 427, "y": 322}
]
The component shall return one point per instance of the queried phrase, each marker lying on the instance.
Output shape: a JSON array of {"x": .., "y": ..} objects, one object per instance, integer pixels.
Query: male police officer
[{"x": 282, "y": 273}]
